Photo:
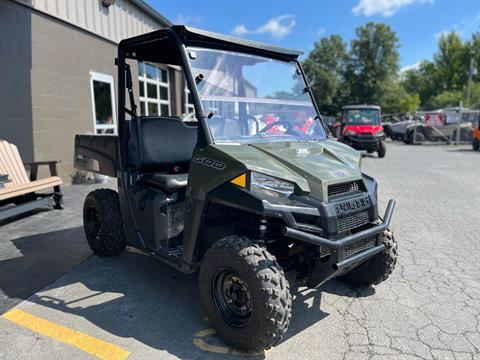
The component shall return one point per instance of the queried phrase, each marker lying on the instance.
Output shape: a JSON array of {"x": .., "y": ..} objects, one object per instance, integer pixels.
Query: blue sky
[{"x": 298, "y": 24}]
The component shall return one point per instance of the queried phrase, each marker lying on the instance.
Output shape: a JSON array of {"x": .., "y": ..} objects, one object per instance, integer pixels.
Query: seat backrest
[
  {"x": 157, "y": 143},
  {"x": 11, "y": 164}
]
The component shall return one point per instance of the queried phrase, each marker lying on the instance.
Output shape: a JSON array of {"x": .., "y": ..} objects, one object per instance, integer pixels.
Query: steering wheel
[{"x": 284, "y": 123}]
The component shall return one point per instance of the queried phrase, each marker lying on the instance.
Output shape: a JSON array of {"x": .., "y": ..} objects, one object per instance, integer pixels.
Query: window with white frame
[
  {"x": 103, "y": 103},
  {"x": 154, "y": 90}
]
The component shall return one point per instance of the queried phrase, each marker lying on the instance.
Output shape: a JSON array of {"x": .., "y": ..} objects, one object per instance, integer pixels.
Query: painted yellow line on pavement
[{"x": 101, "y": 349}]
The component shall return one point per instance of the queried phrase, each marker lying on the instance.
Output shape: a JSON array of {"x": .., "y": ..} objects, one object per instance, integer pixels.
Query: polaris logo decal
[
  {"x": 218, "y": 165},
  {"x": 303, "y": 152},
  {"x": 352, "y": 205}
]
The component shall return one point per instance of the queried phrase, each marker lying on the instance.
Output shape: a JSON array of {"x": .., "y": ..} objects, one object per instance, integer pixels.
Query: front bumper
[
  {"x": 363, "y": 142},
  {"x": 340, "y": 263}
]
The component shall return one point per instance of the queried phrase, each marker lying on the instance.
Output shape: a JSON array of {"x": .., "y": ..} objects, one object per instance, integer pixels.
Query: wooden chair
[{"x": 22, "y": 190}]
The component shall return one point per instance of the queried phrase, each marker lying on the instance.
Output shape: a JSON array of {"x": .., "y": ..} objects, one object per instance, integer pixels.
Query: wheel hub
[{"x": 232, "y": 298}]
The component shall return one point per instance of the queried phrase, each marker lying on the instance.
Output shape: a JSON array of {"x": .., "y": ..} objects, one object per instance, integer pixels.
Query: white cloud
[
  {"x": 385, "y": 8},
  {"x": 277, "y": 27},
  {"x": 240, "y": 30},
  {"x": 320, "y": 32},
  {"x": 411, "y": 67},
  {"x": 187, "y": 19}
]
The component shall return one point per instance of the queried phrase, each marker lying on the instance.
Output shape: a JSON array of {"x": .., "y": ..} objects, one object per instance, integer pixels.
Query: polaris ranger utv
[
  {"x": 362, "y": 129},
  {"x": 223, "y": 192}
]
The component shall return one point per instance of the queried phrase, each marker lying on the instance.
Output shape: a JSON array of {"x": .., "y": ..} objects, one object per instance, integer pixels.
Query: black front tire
[
  {"x": 377, "y": 269},
  {"x": 102, "y": 223},
  {"x": 266, "y": 318},
  {"x": 382, "y": 149}
]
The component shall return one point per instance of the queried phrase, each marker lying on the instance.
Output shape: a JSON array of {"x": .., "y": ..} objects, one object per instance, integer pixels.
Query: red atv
[{"x": 362, "y": 129}]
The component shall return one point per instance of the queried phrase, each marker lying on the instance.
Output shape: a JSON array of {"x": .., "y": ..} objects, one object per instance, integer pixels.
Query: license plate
[{"x": 354, "y": 205}]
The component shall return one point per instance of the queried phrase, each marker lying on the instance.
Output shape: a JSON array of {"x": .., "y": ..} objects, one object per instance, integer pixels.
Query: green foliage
[
  {"x": 364, "y": 73},
  {"x": 419, "y": 81},
  {"x": 367, "y": 71},
  {"x": 324, "y": 68},
  {"x": 373, "y": 62},
  {"x": 450, "y": 62},
  {"x": 442, "y": 83},
  {"x": 453, "y": 98}
]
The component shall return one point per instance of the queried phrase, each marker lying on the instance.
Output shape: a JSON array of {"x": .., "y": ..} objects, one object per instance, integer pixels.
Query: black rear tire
[
  {"x": 102, "y": 223},
  {"x": 249, "y": 325},
  {"x": 377, "y": 269},
  {"x": 419, "y": 138},
  {"x": 382, "y": 149}
]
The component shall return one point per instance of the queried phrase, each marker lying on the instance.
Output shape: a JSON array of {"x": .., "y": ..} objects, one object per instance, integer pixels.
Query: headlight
[
  {"x": 274, "y": 186},
  {"x": 379, "y": 133},
  {"x": 350, "y": 133}
]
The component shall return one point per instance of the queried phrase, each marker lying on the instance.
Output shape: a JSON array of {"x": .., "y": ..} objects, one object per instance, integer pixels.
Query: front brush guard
[{"x": 324, "y": 271}]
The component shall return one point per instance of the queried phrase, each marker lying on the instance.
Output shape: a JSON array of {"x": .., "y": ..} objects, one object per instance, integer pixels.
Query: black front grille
[
  {"x": 359, "y": 246},
  {"x": 366, "y": 136},
  {"x": 353, "y": 221},
  {"x": 343, "y": 188}
]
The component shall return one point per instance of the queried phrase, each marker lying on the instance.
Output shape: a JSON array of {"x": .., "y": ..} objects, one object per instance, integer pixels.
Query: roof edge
[
  {"x": 205, "y": 34},
  {"x": 152, "y": 12}
]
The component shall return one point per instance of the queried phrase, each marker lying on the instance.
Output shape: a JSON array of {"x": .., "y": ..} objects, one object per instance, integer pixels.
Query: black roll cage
[{"x": 168, "y": 46}]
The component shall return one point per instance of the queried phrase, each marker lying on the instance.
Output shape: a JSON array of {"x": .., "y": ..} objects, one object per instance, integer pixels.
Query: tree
[
  {"x": 473, "y": 49},
  {"x": 451, "y": 62},
  {"x": 421, "y": 81},
  {"x": 395, "y": 99},
  {"x": 373, "y": 62},
  {"x": 445, "y": 99},
  {"x": 324, "y": 68},
  {"x": 367, "y": 72}
]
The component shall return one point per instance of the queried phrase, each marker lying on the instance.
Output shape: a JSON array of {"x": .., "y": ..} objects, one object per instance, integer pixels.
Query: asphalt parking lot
[{"x": 136, "y": 307}]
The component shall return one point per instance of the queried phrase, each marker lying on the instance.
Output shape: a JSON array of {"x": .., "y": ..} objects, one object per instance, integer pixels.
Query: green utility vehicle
[{"x": 245, "y": 190}]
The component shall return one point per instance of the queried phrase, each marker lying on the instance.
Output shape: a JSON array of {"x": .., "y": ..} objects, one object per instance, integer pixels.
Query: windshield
[
  {"x": 253, "y": 99},
  {"x": 362, "y": 117}
]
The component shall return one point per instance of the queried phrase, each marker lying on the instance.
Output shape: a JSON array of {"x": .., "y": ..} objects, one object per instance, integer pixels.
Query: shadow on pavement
[
  {"x": 130, "y": 296},
  {"x": 37, "y": 260},
  {"x": 136, "y": 296},
  {"x": 22, "y": 216}
]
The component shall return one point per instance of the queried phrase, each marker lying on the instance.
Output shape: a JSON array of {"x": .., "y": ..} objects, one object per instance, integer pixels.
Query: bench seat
[
  {"x": 23, "y": 187},
  {"x": 30, "y": 187}
]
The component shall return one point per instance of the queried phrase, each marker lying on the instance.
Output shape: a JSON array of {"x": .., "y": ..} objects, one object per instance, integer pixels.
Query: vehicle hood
[
  {"x": 401, "y": 125},
  {"x": 363, "y": 129},
  {"x": 312, "y": 165}
]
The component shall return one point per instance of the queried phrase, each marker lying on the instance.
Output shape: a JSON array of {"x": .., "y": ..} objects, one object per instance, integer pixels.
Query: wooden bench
[{"x": 23, "y": 190}]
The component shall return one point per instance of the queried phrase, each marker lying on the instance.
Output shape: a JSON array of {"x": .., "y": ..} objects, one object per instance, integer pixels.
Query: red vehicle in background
[{"x": 361, "y": 128}]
